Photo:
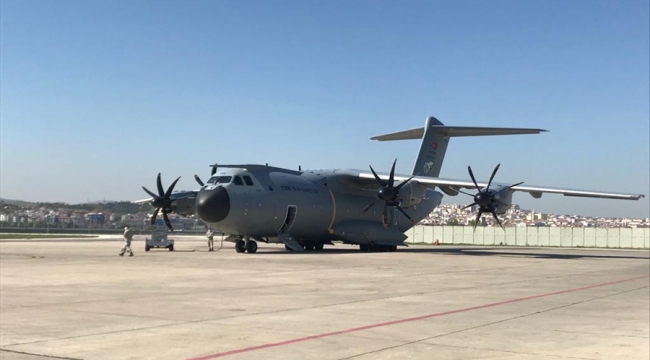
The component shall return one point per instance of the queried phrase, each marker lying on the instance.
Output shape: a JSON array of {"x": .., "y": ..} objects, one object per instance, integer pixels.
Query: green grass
[{"x": 42, "y": 236}]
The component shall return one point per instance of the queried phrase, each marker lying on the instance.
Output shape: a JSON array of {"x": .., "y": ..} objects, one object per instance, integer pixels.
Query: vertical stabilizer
[{"x": 432, "y": 150}]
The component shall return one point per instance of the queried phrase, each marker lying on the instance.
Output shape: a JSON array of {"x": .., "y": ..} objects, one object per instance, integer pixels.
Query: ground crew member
[
  {"x": 210, "y": 236},
  {"x": 128, "y": 235}
]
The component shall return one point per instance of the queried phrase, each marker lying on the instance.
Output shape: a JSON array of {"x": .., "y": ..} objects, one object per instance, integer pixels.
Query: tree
[{"x": 452, "y": 222}]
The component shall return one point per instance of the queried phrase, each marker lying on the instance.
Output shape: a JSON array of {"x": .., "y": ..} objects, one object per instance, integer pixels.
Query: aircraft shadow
[{"x": 472, "y": 251}]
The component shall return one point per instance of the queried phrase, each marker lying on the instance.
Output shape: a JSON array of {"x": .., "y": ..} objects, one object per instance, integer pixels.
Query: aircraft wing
[{"x": 451, "y": 187}]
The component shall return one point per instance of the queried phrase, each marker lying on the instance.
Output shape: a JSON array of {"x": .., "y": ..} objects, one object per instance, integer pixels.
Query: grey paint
[
  {"x": 329, "y": 203},
  {"x": 328, "y": 206},
  {"x": 432, "y": 150}
]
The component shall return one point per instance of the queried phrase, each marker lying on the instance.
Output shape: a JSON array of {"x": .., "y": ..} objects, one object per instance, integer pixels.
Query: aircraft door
[{"x": 289, "y": 219}]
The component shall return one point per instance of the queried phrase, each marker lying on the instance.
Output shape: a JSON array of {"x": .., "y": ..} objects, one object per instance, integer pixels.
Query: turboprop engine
[
  {"x": 411, "y": 194},
  {"x": 502, "y": 199},
  {"x": 492, "y": 201},
  {"x": 393, "y": 196}
]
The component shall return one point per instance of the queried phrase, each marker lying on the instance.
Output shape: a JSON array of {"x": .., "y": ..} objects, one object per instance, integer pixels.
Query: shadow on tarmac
[{"x": 481, "y": 251}]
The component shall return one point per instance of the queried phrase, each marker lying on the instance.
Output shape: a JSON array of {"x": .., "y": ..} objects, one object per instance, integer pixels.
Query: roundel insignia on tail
[{"x": 434, "y": 146}]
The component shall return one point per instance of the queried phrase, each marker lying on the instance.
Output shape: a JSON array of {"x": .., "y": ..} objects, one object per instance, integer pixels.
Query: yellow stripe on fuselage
[{"x": 329, "y": 228}]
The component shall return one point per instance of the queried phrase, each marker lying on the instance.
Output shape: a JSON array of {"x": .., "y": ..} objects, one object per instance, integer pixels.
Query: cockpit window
[
  {"x": 248, "y": 180},
  {"x": 220, "y": 180},
  {"x": 238, "y": 181}
]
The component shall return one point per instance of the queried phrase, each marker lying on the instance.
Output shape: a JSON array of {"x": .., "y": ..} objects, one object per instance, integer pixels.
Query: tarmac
[{"x": 77, "y": 299}]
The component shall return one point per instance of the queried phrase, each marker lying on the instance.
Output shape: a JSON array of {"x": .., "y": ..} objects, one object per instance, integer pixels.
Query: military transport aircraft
[{"x": 307, "y": 209}]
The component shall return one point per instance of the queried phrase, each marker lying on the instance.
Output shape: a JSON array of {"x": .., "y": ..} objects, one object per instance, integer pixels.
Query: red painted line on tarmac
[{"x": 394, "y": 322}]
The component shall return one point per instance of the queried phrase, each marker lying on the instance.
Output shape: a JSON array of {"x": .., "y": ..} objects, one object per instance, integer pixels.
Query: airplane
[{"x": 305, "y": 210}]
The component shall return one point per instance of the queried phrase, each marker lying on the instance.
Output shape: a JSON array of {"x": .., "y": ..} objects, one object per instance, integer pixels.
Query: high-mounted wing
[{"x": 452, "y": 186}]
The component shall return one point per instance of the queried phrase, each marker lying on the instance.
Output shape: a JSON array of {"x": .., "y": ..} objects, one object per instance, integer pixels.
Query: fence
[{"x": 638, "y": 238}]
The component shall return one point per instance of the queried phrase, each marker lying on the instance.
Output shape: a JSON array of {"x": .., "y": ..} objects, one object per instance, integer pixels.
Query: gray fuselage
[{"x": 260, "y": 201}]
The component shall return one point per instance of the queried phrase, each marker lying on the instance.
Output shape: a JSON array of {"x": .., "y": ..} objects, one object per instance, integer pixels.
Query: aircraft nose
[{"x": 213, "y": 205}]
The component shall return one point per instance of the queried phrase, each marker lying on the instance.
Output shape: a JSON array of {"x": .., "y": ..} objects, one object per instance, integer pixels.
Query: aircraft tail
[{"x": 435, "y": 138}]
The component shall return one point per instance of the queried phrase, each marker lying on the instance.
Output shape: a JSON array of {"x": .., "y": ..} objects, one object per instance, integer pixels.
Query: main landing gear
[
  {"x": 244, "y": 245},
  {"x": 377, "y": 248}
]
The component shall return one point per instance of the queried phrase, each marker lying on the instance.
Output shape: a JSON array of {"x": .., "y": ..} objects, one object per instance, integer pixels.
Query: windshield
[{"x": 220, "y": 180}]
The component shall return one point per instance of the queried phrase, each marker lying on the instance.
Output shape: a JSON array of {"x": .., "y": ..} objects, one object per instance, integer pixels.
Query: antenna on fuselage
[{"x": 299, "y": 168}]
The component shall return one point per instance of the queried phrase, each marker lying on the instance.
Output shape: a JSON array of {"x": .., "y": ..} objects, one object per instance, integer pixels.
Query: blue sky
[{"x": 97, "y": 97}]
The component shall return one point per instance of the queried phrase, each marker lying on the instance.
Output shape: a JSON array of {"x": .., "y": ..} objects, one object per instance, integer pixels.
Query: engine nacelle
[
  {"x": 502, "y": 199},
  {"x": 412, "y": 193}
]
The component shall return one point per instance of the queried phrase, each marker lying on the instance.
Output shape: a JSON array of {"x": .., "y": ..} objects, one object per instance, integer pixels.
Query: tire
[
  {"x": 308, "y": 247},
  {"x": 240, "y": 246},
  {"x": 171, "y": 247},
  {"x": 251, "y": 247},
  {"x": 318, "y": 247},
  {"x": 147, "y": 248}
]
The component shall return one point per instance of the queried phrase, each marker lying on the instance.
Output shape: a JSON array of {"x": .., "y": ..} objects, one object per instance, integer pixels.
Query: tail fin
[{"x": 435, "y": 138}]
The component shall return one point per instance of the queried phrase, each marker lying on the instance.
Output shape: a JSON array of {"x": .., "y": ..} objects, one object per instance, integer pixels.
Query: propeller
[
  {"x": 389, "y": 194},
  {"x": 198, "y": 179},
  {"x": 162, "y": 201},
  {"x": 485, "y": 199}
]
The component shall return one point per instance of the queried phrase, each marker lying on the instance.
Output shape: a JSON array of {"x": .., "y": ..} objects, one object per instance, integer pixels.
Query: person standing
[
  {"x": 128, "y": 236},
  {"x": 210, "y": 235}
]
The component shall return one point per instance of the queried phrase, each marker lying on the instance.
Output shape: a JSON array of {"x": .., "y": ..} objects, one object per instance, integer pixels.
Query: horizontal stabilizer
[{"x": 455, "y": 131}]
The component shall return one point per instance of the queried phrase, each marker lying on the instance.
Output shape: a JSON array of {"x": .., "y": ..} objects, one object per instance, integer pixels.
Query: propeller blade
[
  {"x": 471, "y": 174},
  {"x": 470, "y": 205},
  {"x": 153, "y": 218},
  {"x": 376, "y": 176},
  {"x": 509, "y": 187},
  {"x": 161, "y": 192},
  {"x": 391, "y": 177},
  {"x": 198, "y": 180},
  {"x": 462, "y": 192},
  {"x": 498, "y": 221},
  {"x": 171, "y": 188},
  {"x": 169, "y": 225},
  {"x": 403, "y": 212},
  {"x": 517, "y": 184},
  {"x": 384, "y": 217},
  {"x": 403, "y": 183},
  {"x": 478, "y": 217},
  {"x": 370, "y": 205},
  {"x": 150, "y": 193},
  {"x": 494, "y": 172}
]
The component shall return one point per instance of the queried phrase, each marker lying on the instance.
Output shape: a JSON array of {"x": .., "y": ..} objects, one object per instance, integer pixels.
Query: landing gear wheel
[
  {"x": 171, "y": 247},
  {"x": 392, "y": 248},
  {"x": 308, "y": 247},
  {"x": 251, "y": 246},
  {"x": 147, "y": 248},
  {"x": 318, "y": 247},
  {"x": 364, "y": 247},
  {"x": 240, "y": 246}
]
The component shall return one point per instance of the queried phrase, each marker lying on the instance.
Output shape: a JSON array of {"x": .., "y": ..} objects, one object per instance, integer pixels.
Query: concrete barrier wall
[{"x": 625, "y": 238}]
